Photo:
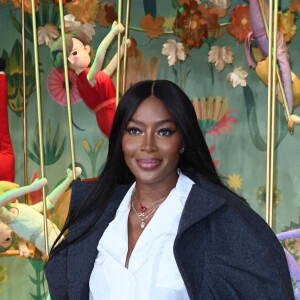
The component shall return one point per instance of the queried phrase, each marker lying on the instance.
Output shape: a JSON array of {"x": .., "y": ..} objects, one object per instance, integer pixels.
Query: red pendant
[{"x": 143, "y": 208}]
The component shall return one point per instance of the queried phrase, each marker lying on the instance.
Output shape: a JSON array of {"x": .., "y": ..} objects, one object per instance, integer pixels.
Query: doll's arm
[
  {"x": 111, "y": 67},
  {"x": 20, "y": 191},
  {"x": 24, "y": 251},
  {"x": 6, "y": 215},
  {"x": 100, "y": 54},
  {"x": 58, "y": 191}
]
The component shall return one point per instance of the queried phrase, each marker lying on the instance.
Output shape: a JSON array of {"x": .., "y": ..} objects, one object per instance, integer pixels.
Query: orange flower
[
  {"x": 295, "y": 5},
  {"x": 27, "y": 5},
  {"x": 107, "y": 14},
  {"x": 240, "y": 26},
  {"x": 193, "y": 23},
  {"x": 83, "y": 10},
  {"x": 286, "y": 25},
  {"x": 152, "y": 26}
]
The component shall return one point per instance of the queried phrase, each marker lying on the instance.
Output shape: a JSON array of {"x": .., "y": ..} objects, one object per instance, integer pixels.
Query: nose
[{"x": 148, "y": 142}]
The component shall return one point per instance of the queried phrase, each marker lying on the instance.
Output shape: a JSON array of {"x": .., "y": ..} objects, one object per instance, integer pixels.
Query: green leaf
[
  {"x": 150, "y": 7},
  {"x": 15, "y": 22},
  {"x": 256, "y": 137},
  {"x": 281, "y": 124},
  {"x": 61, "y": 150},
  {"x": 55, "y": 140},
  {"x": 33, "y": 157},
  {"x": 55, "y": 15},
  {"x": 48, "y": 139},
  {"x": 33, "y": 280},
  {"x": 34, "y": 296}
]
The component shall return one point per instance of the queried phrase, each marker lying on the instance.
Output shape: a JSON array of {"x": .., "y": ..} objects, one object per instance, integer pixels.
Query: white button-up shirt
[{"x": 152, "y": 270}]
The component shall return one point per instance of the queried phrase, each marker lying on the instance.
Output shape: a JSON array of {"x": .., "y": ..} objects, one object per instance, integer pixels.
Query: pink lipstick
[{"x": 148, "y": 163}]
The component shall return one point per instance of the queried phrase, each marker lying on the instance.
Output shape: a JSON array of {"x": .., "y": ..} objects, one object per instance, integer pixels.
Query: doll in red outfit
[
  {"x": 7, "y": 158},
  {"x": 94, "y": 85}
]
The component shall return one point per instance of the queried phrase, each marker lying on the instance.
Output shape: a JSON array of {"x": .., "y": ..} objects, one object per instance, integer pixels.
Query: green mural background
[{"x": 236, "y": 137}]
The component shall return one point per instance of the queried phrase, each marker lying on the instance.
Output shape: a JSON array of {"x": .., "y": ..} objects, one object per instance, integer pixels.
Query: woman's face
[
  {"x": 79, "y": 58},
  {"x": 151, "y": 143}
]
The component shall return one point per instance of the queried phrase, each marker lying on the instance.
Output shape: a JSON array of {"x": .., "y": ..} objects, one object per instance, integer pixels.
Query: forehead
[
  {"x": 76, "y": 43},
  {"x": 153, "y": 109}
]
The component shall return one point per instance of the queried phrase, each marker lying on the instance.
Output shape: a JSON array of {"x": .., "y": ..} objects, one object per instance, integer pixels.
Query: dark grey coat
[{"x": 223, "y": 249}]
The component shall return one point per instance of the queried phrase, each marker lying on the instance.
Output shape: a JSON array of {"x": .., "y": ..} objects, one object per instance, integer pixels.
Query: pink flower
[{"x": 57, "y": 90}]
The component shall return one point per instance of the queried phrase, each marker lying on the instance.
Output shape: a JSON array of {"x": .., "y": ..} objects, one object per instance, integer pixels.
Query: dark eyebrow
[{"x": 158, "y": 123}]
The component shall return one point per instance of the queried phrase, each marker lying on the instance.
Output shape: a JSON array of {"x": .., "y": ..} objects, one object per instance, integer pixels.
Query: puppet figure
[
  {"x": 293, "y": 265},
  {"x": 94, "y": 85},
  {"x": 283, "y": 57},
  {"x": 7, "y": 158},
  {"x": 27, "y": 221}
]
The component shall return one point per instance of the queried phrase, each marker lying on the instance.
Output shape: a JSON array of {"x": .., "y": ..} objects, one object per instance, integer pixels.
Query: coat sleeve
[
  {"x": 56, "y": 275},
  {"x": 257, "y": 277},
  {"x": 246, "y": 261},
  {"x": 233, "y": 254}
]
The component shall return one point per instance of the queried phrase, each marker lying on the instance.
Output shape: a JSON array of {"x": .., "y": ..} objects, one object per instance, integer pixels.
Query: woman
[{"x": 159, "y": 223}]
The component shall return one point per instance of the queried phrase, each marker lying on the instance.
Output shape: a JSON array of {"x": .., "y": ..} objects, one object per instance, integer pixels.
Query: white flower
[
  {"x": 175, "y": 51},
  {"x": 47, "y": 34},
  {"x": 237, "y": 77},
  {"x": 220, "y": 56},
  {"x": 72, "y": 25},
  {"x": 88, "y": 29},
  {"x": 224, "y": 4}
]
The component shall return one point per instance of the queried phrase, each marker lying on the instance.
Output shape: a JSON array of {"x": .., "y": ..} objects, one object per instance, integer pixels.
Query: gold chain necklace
[
  {"x": 143, "y": 208},
  {"x": 144, "y": 215}
]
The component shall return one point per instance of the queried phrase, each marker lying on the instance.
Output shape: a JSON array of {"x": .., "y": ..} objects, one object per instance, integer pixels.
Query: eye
[
  {"x": 74, "y": 53},
  {"x": 165, "y": 131},
  {"x": 133, "y": 130}
]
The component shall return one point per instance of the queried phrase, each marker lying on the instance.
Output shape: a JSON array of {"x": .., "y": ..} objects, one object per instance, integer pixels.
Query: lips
[{"x": 148, "y": 163}]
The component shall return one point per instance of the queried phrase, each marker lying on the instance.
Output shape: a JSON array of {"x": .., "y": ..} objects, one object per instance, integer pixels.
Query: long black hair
[{"x": 195, "y": 159}]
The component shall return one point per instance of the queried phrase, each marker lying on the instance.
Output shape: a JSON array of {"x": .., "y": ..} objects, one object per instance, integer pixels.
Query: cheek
[{"x": 76, "y": 58}]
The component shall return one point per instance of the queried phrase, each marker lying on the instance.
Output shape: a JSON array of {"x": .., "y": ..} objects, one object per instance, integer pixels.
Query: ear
[{"x": 87, "y": 48}]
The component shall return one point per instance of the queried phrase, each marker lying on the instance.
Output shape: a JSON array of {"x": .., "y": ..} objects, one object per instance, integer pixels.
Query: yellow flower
[
  {"x": 168, "y": 24},
  {"x": 286, "y": 25},
  {"x": 235, "y": 181},
  {"x": 86, "y": 145}
]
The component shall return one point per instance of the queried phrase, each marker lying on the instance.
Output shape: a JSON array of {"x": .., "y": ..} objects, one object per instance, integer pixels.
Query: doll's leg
[
  {"x": 295, "y": 272},
  {"x": 7, "y": 158},
  {"x": 20, "y": 191},
  {"x": 58, "y": 191},
  {"x": 295, "y": 233}
]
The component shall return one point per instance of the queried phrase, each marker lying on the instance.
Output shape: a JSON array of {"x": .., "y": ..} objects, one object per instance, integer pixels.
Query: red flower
[
  {"x": 240, "y": 26},
  {"x": 192, "y": 24},
  {"x": 57, "y": 90},
  {"x": 211, "y": 150}
]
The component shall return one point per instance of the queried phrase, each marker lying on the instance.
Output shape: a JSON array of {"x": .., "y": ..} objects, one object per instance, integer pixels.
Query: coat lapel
[
  {"x": 200, "y": 203},
  {"x": 82, "y": 253}
]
